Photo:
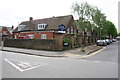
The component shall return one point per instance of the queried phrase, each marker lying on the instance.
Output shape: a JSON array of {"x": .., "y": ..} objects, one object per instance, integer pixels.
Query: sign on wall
[{"x": 61, "y": 28}]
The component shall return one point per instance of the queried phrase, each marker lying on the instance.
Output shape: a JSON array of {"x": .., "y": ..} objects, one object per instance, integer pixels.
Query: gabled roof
[
  {"x": 8, "y": 28},
  {"x": 52, "y": 23}
]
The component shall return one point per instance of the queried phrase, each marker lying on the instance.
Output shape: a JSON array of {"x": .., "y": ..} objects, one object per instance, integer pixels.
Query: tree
[
  {"x": 89, "y": 17},
  {"x": 83, "y": 12},
  {"x": 99, "y": 19},
  {"x": 92, "y": 18},
  {"x": 110, "y": 28}
]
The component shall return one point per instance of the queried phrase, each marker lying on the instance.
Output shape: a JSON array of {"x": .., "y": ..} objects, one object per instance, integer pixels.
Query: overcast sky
[{"x": 12, "y": 12}]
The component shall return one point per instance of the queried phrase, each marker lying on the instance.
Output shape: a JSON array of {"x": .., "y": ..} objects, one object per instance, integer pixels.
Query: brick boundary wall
[{"x": 40, "y": 44}]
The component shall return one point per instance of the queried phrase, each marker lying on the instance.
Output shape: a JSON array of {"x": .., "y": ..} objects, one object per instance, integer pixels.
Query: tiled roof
[
  {"x": 52, "y": 23},
  {"x": 8, "y": 28}
]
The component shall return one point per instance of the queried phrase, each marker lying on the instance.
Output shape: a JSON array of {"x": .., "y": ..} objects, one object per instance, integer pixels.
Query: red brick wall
[
  {"x": 59, "y": 39},
  {"x": 49, "y": 34},
  {"x": 37, "y": 35},
  {"x": 44, "y": 44}
]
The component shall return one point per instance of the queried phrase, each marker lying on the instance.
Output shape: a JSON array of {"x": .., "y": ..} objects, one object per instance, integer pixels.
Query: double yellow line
[{"x": 81, "y": 56}]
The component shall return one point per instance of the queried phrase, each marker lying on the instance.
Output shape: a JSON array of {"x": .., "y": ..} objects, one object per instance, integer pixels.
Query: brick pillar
[
  {"x": 80, "y": 38},
  {"x": 86, "y": 40},
  {"x": 72, "y": 40},
  {"x": 93, "y": 39},
  {"x": 59, "y": 38},
  {"x": 96, "y": 38},
  {"x": 90, "y": 39}
]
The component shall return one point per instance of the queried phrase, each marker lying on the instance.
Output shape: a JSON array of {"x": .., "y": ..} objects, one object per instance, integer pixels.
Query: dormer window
[
  {"x": 21, "y": 27},
  {"x": 42, "y": 26}
]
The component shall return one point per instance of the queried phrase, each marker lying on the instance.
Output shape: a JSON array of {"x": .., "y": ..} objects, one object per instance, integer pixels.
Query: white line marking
[
  {"x": 13, "y": 65},
  {"x": 35, "y": 67},
  {"x": 18, "y": 68}
]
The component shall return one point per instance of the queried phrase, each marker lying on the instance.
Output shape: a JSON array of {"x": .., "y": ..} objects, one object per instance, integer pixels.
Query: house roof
[
  {"x": 8, "y": 28},
  {"x": 52, "y": 23}
]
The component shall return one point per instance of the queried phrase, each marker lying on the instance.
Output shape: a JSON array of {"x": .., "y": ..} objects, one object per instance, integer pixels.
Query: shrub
[{"x": 66, "y": 40}]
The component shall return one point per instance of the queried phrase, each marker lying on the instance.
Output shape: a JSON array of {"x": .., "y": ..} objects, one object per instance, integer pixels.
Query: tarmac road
[
  {"x": 110, "y": 54},
  {"x": 101, "y": 65}
]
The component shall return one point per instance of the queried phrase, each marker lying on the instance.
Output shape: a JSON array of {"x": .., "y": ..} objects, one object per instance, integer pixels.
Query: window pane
[
  {"x": 41, "y": 26},
  {"x": 31, "y": 36},
  {"x": 43, "y": 36}
]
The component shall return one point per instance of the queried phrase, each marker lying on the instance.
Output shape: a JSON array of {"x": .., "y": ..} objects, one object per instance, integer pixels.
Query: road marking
[
  {"x": 24, "y": 66},
  {"x": 94, "y": 53},
  {"x": 83, "y": 56},
  {"x": 99, "y": 61}
]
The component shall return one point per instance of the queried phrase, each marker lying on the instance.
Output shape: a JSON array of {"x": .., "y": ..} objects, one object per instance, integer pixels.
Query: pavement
[{"x": 76, "y": 52}]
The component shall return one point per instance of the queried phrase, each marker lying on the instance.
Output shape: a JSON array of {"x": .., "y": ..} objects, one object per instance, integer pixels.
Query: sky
[{"x": 13, "y": 12}]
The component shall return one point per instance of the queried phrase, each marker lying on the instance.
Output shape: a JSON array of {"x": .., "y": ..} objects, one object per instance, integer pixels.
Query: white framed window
[
  {"x": 42, "y": 26},
  {"x": 43, "y": 36},
  {"x": 31, "y": 36}
]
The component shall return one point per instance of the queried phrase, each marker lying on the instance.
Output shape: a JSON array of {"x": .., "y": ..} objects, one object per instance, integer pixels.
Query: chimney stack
[
  {"x": 12, "y": 27},
  {"x": 31, "y": 18}
]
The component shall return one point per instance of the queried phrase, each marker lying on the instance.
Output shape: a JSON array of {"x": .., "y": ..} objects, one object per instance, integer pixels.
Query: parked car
[
  {"x": 114, "y": 40},
  {"x": 101, "y": 43},
  {"x": 111, "y": 41},
  {"x": 118, "y": 37},
  {"x": 108, "y": 41}
]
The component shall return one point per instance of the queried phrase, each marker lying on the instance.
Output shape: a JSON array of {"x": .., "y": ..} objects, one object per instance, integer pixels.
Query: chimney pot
[
  {"x": 12, "y": 27},
  {"x": 31, "y": 18}
]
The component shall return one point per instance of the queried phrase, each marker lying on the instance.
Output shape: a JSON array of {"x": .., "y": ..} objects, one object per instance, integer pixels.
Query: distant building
[
  {"x": 6, "y": 32},
  {"x": 45, "y": 28}
]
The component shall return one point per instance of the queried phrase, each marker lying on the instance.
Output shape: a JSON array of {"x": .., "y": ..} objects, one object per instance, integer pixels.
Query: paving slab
[{"x": 66, "y": 53}]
